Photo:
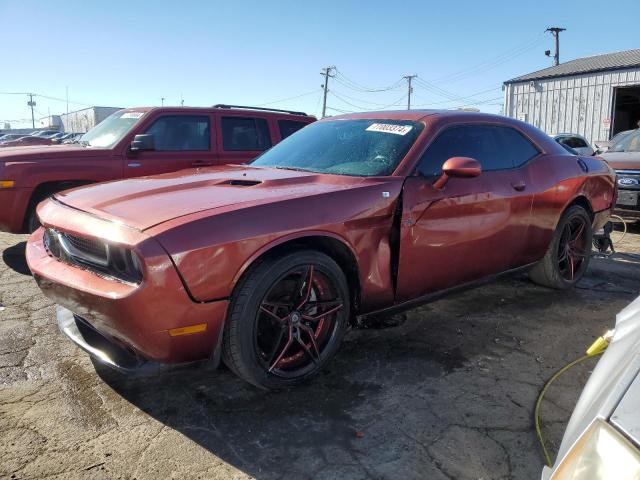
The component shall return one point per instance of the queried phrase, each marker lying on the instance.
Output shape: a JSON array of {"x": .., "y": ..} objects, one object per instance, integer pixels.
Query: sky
[{"x": 271, "y": 53}]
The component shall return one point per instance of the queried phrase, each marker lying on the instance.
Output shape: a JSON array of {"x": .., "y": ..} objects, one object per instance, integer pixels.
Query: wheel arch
[
  {"x": 582, "y": 201},
  {"x": 328, "y": 243},
  {"x": 45, "y": 189}
]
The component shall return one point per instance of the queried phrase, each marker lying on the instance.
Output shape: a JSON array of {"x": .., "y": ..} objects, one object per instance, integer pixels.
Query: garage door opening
[{"x": 626, "y": 109}]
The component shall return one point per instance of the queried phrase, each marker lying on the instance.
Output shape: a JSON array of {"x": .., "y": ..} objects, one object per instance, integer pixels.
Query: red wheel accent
[
  {"x": 572, "y": 248},
  {"x": 296, "y": 321}
]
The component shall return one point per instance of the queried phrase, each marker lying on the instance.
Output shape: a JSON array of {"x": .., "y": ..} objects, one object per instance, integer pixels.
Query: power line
[
  {"x": 494, "y": 61},
  {"x": 360, "y": 107},
  {"x": 288, "y": 98},
  {"x": 465, "y": 97},
  {"x": 353, "y": 85}
]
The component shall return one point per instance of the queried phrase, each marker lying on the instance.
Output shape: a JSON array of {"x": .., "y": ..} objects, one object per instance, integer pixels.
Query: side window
[
  {"x": 245, "y": 134},
  {"x": 289, "y": 127},
  {"x": 475, "y": 141},
  {"x": 517, "y": 149},
  {"x": 181, "y": 132}
]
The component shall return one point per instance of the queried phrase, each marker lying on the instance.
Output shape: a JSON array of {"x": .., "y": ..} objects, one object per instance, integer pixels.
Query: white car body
[{"x": 611, "y": 398}]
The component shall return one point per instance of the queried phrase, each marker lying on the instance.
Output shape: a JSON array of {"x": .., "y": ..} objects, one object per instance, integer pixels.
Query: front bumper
[
  {"x": 624, "y": 212},
  {"x": 100, "y": 347},
  {"x": 137, "y": 318}
]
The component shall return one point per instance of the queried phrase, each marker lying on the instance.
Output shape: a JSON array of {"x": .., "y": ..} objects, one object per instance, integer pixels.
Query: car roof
[
  {"x": 568, "y": 135},
  {"x": 227, "y": 109},
  {"x": 417, "y": 115}
]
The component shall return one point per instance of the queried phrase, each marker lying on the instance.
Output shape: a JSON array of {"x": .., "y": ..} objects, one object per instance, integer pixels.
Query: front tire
[
  {"x": 568, "y": 255},
  {"x": 33, "y": 223},
  {"x": 286, "y": 319}
]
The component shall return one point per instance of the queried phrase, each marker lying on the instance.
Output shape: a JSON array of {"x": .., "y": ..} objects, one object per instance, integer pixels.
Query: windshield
[
  {"x": 628, "y": 143},
  {"x": 111, "y": 130},
  {"x": 345, "y": 147}
]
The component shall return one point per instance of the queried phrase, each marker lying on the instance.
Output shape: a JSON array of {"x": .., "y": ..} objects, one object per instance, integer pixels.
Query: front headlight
[{"x": 601, "y": 452}]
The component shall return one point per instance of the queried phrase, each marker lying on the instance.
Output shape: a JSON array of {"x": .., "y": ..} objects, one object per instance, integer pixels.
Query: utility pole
[
  {"x": 67, "y": 88},
  {"x": 162, "y": 100},
  {"x": 409, "y": 78},
  {"x": 181, "y": 100},
  {"x": 32, "y": 104},
  {"x": 327, "y": 74},
  {"x": 555, "y": 31}
]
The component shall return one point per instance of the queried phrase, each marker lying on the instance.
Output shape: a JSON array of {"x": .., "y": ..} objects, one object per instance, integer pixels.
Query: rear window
[
  {"x": 289, "y": 127},
  {"x": 245, "y": 134},
  {"x": 573, "y": 142}
]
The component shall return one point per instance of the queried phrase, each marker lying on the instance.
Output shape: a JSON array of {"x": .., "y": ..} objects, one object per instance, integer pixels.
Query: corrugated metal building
[
  {"x": 83, "y": 120},
  {"x": 594, "y": 96}
]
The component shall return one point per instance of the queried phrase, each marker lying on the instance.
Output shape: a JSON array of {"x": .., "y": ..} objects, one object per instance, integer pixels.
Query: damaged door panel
[{"x": 470, "y": 229}]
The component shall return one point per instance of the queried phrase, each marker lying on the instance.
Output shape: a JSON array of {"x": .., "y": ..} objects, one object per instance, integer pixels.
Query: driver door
[
  {"x": 472, "y": 227},
  {"x": 181, "y": 141}
]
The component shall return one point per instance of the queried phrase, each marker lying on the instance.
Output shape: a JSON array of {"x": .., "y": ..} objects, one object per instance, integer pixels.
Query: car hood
[
  {"x": 29, "y": 153},
  {"x": 144, "y": 202},
  {"x": 622, "y": 160}
]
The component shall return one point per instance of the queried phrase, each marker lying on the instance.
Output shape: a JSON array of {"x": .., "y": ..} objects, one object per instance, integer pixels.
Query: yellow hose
[{"x": 597, "y": 348}]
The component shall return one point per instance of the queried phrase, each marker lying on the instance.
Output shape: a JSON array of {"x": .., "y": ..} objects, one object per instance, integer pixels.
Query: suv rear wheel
[{"x": 286, "y": 319}]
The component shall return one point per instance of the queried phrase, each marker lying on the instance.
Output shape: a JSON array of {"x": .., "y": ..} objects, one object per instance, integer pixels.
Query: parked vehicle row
[
  {"x": 137, "y": 142},
  {"x": 41, "y": 137},
  {"x": 265, "y": 265}
]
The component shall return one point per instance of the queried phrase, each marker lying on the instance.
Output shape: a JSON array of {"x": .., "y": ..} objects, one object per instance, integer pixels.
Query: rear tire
[
  {"x": 286, "y": 319},
  {"x": 568, "y": 255}
]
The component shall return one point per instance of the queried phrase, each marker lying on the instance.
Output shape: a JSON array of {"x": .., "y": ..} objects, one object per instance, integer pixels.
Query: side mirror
[
  {"x": 143, "y": 141},
  {"x": 458, "y": 167}
]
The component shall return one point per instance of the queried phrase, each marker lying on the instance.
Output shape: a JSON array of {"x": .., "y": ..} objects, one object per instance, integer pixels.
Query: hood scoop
[{"x": 236, "y": 182}]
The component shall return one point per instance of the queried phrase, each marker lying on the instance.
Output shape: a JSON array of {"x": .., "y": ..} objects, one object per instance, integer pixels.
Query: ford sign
[{"x": 627, "y": 181}]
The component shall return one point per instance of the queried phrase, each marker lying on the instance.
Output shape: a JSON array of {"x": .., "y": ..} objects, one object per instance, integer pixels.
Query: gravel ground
[{"x": 445, "y": 391}]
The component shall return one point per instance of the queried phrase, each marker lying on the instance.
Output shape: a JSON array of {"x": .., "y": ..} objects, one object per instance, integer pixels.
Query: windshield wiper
[{"x": 295, "y": 169}]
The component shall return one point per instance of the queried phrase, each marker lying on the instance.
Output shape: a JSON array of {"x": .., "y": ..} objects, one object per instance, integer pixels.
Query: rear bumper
[{"x": 135, "y": 318}]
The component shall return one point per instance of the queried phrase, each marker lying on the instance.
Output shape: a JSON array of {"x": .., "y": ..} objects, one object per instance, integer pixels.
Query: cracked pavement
[{"x": 445, "y": 391}]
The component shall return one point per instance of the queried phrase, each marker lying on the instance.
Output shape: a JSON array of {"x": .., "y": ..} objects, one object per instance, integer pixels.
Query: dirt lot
[{"x": 446, "y": 391}]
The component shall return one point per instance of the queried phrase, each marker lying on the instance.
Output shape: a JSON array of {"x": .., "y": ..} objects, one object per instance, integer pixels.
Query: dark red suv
[{"x": 135, "y": 142}]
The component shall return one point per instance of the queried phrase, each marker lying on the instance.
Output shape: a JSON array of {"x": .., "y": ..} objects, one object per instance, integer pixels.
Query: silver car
[
  {"x": 602, "y": 438},
  {"x": 574, "y": 141}
]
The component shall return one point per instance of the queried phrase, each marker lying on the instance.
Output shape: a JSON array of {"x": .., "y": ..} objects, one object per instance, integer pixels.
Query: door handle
[
  {"x": 133, "y": 164},
  {"x": 519, "y": 186},
  {"x": 200, "y": 163}
]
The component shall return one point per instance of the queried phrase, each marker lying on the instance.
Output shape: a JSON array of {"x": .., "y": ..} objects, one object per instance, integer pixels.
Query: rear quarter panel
[{"x": 558, "y": 180}]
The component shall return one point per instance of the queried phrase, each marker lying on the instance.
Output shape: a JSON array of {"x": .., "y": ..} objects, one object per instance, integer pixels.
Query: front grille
[
  {"x": 105, "y": 259},
  {"x": 90, "y": 248},
  {"x": 628, "y": 179}
]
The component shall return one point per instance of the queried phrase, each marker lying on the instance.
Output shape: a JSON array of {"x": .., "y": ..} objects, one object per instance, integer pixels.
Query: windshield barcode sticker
[
  {"x": 389, "y": 128},
  {"x": 132, "y": 114}
]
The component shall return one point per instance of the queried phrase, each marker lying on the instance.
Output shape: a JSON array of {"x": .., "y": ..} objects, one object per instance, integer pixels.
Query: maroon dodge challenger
[{"x": 266, "y": 265}]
